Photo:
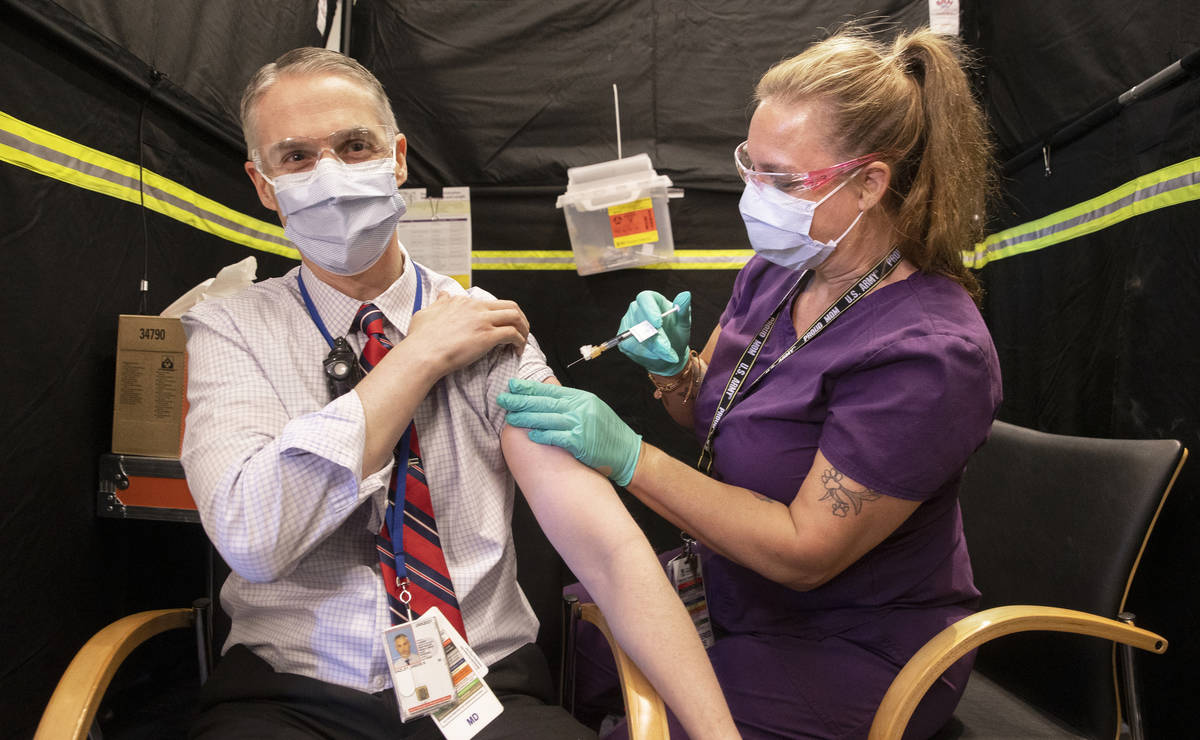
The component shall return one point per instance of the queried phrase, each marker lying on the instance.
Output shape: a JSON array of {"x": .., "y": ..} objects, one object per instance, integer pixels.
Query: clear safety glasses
[
  {"x": 793, "y": 182},
  {"x": 350, "y": 146}
]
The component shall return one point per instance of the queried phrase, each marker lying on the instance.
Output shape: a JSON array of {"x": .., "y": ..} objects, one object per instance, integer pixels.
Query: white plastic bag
[{"x": 230, "y": 280}]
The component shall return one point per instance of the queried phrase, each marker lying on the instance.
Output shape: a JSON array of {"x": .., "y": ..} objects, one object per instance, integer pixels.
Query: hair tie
[{"x": 913, "y": 63}]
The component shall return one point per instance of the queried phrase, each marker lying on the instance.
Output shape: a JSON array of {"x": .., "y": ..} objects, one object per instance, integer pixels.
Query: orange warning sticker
[{"x": 633, "y": 223}]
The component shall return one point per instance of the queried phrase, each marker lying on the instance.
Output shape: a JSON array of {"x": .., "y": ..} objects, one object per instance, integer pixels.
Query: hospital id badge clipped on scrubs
[{"x": 686, "y": 574}]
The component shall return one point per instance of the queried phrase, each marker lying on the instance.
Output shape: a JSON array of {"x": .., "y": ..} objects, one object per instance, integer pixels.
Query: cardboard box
[{"x": 150, "y": 397}]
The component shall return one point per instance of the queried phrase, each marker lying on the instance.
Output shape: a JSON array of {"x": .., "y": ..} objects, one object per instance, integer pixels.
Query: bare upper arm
[
  {"x": 568, "y": 499},
  {"x": 709, "y": 346},
  {"x": 843, "y": 518}
]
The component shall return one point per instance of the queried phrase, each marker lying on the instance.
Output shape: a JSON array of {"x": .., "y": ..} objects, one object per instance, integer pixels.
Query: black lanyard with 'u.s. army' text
[{"x": 736, "y": 388}]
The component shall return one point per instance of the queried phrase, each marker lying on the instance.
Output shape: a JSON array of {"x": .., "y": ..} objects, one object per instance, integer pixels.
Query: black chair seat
[
  {"x": 1055, "y": 525},
  {"x": 988, "y": 705}
]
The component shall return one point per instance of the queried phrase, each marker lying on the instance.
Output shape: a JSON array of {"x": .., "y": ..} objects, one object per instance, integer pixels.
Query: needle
[{"x": 641, "y": 331}]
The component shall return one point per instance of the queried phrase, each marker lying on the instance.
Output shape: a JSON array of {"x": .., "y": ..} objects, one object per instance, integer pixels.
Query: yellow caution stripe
[
  {"x": 49, "y": 154},
  {"x": 1169, "y": 186},
  {"x": 46, "y": 153},
  {"x": 532, "y": 259}
]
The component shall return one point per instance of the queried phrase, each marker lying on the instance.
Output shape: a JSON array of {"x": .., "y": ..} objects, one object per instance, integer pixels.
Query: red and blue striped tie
[{"x": 426, "y": 581}]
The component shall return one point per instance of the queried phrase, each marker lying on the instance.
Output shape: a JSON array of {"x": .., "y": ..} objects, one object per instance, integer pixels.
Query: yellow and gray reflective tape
[
  {"x": 51, "y": 155},
  {"x": 1173, "y": 185},
  {"x": 48, "y": 154},
  {"x": 684, "y": 259}
]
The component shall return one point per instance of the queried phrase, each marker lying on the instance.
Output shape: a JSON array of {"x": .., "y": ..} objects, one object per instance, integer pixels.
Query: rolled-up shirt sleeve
[
  {"x": 533, "y": 362},
  {"x": 270, "y": 483}
]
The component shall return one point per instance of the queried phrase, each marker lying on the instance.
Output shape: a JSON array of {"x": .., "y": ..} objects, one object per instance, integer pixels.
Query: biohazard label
[{"x": 633, "y": 223}]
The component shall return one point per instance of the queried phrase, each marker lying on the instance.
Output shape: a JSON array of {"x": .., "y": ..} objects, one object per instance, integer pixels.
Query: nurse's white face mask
[
  {"x": 778, "y": 226},
  {"x": 778, "y": 221}
]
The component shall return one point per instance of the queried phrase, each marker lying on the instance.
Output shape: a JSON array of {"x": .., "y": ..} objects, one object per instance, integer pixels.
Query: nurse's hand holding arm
[
  {"x": 577, "y": 421},
  {"x": 798, "y": 544}
]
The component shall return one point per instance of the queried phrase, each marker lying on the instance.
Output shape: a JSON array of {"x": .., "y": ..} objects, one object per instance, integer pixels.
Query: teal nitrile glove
[
  {"x": 577, "y": 421},
  {"x": 666, "y": 353}
]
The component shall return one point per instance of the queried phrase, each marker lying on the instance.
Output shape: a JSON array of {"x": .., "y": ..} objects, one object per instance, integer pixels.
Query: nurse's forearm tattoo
[{"x": 843, "y": 497}]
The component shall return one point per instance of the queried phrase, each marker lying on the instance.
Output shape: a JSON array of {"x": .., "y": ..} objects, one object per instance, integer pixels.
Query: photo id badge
[
  {"x": 684, "y": 570},
  {"x": 420, "y": 672},
  {"x": 476, "y": 705}
]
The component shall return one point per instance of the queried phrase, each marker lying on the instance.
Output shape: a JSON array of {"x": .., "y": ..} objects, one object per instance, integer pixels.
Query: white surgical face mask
[
  {"x": 341, "y": 216},
  {"x": 778, "y": 226}
]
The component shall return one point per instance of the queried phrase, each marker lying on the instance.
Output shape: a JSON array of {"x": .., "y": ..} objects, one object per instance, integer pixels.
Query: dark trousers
[{"x": 245, "y": 698}]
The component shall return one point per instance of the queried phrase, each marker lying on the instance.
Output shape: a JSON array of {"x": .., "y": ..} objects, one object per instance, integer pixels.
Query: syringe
[{"x": 640, "y": 331}]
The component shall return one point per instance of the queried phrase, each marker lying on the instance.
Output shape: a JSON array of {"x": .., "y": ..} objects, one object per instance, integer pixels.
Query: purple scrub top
[{"x": 897, "y": 393}]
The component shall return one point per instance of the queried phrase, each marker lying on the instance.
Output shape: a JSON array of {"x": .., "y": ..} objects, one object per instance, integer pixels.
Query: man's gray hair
[{"x": 304, "y": 61}]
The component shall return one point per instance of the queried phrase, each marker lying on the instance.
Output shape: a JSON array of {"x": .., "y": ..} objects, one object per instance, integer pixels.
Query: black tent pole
[
  {"x": 347, "y": 14},
  {"x": 1188, "y": 65}
]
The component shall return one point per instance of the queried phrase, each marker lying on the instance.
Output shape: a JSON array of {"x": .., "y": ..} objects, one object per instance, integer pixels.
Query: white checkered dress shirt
[{"x": 274, "y": 466}]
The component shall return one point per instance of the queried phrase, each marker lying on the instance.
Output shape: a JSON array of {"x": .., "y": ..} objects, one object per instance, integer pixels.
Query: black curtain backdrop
[
  {"x": 1097, "y": 335},
  {"x": 73, "y": 260}
]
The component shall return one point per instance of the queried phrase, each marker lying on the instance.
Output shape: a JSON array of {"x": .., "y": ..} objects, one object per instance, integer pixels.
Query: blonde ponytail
[{"x": 912, "y": 102}]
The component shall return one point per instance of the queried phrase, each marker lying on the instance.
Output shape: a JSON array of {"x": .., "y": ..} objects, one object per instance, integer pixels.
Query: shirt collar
[
  {"x": 337, "y": 309},
  {"x": 397, "y": 301}
]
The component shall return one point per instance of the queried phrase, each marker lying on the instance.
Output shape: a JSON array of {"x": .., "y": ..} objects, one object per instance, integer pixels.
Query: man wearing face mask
[
  {"x": 350, "y": 463},
  {"x": 837, "y": 401}
]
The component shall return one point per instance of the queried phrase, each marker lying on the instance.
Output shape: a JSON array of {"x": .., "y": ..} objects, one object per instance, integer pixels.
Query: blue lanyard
[
  {"x": 403, "y": 447},
  {"x": 316, "y": 317}
]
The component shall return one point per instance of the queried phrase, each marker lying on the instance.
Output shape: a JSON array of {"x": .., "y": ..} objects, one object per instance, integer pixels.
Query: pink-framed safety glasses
[{"x": 793, "y": 182}]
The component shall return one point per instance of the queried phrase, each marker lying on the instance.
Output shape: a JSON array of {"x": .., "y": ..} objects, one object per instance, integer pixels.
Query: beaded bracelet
[{"x": 688, "y": 374}]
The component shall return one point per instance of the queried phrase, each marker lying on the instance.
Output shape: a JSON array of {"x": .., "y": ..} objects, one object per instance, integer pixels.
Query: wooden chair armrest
[
  {"x": 952, "y": 643},
  {"x": 73, "y": 705},
  {"x": 644, "y": 708}
]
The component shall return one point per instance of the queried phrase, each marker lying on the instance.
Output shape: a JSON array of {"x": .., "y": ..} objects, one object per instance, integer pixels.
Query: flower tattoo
[{"x": 841, "y": 496}]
